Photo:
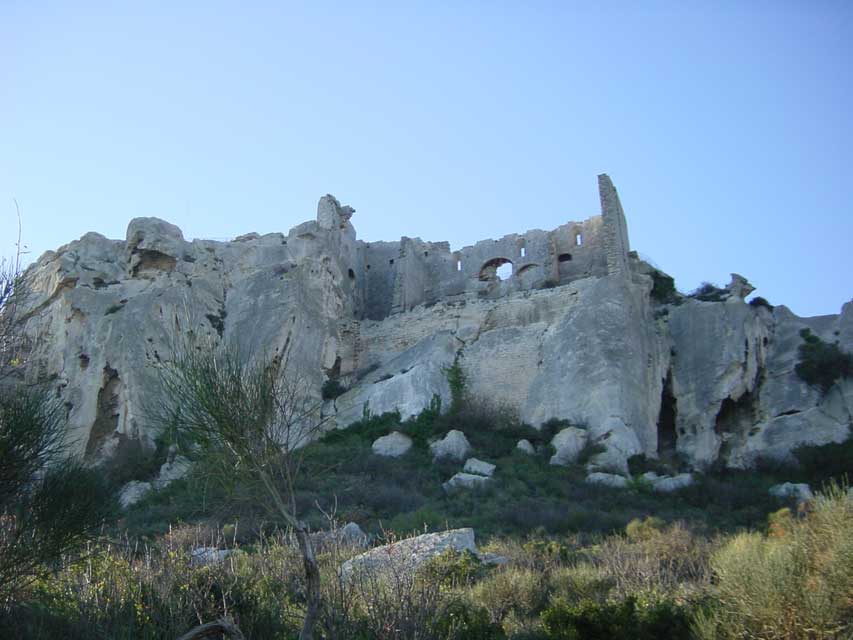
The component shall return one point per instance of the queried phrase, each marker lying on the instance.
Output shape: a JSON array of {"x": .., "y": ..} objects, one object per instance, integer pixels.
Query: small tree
[
  {"x": 50, "y": 505},
  {"x": 11, "y": 297},
  {"x": 248, "y": 419}
]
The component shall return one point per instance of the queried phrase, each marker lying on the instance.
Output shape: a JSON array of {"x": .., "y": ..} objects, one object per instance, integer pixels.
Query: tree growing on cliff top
[{"x": 247, "y": 419}]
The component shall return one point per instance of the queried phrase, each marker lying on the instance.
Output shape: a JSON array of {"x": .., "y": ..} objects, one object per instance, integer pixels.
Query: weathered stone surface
[
  {"x": 801, "y": 492},
  {"x": 393, "y": 445},
  {"x": 526, "y": 446},
  {"x": 453, "y": 446},
  {"x": 479, "y": 467},
  {"x": 572, "y": 334},
  {"x": 410, "y": 553},
  {"x": 133, "y": 492},
  {"x": 568, "y": 445},
  {"x": 465, "y": 481},
  {"x": 607, "y": 479},
  {"x": 208, "y": 555},
  {"x": 668, "y": 484},
  {"x": 171, "y": 470}
]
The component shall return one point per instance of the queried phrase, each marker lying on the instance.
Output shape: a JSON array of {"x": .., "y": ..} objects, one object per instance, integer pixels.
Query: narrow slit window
[
  {"x": 459, "y": 265},
  {"x": 523, "y": 252},
  {"x": 579, "y": 239}
]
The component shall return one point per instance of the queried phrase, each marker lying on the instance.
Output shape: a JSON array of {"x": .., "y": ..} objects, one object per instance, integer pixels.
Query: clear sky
[{"x": 727, "y": 127}]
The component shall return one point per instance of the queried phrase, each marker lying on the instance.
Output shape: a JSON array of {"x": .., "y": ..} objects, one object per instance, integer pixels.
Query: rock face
[
  {"x": 393, "y": 445},
  {"x": 453, "y": 446},
  {"x": 577, "y": 332}
]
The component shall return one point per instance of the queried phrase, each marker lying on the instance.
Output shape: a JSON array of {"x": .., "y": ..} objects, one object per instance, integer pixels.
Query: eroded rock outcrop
[{"x": 577, "y": 332}]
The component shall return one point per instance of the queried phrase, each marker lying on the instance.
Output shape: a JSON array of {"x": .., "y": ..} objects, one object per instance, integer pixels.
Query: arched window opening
[
  {"x": 351, "y": 274},
  {"x": 578, "y": 239},
  {"x": 564, "y": 257},
  {"x": 496, "y": 269}
]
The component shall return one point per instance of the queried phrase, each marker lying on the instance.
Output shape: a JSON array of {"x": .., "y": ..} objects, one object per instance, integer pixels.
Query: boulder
[
  {"x": 801, "y": 492},
  {"x": 208, "y": 555},
  {"x": 526, "y": 446},
  {"x": 409, "y": 554},
  {"x": 453, "y": 446},
  {"x": 668, "y": 484},
  {"x": 173, "y": 469},
  {"x": 465, "y": 481},
  {"x": 568, "y": 445},
  {"x": 350, "y": 535},
  {"x": 133, "y": 492},
  {"x": 607, "y": 479},
  {"x": 479, "y": 467},
  {"x": 393, "y": 445}
]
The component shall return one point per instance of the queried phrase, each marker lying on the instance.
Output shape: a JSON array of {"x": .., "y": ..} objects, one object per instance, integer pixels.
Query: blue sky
[{"x": 727, "y": 127}]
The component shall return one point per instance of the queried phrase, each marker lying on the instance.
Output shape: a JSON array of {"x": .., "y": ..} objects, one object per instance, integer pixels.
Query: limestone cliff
[{"x": 573, "y": 333}]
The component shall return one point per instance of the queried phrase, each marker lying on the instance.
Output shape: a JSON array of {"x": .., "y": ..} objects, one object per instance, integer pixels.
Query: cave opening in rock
[
  {"x": 667, "y": 435},
  {"x": 734, "y": 421}
]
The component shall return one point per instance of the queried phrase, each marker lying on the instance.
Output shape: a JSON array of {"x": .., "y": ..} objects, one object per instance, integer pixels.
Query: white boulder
[
  {"x": 133, "y": 492},
  {"x": 173, "y": 469},
  {"x": 208, "y": 555},
  {"x": 607, "y": 479},
  {"x": 465, "y": 481},
  {"x": 568, "y": 445},
  {"x": 407, "y": 555},
  {"x": 668, "y": 484},
  {"x": 526, "y": 446},
  {"x": 393, "y": 445},
  {"x": 454, "y": 446},
  {"x": 479, "y": 467},
  {"x": 801, "y": 492}
]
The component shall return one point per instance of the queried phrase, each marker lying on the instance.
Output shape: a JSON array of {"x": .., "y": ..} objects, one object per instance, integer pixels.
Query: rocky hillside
[{"x": 582, "y": 331}]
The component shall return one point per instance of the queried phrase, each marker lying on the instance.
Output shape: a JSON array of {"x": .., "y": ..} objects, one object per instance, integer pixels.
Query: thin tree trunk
[{"x": 312, "y": 582}]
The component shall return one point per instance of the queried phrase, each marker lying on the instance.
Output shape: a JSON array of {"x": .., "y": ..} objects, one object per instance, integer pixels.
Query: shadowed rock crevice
[
  {"x": 734, "y": 421},
  {"x": 149, "y": 260},
  {"x": 667, "y": 435},
  {"x": 106, "y": 419}
]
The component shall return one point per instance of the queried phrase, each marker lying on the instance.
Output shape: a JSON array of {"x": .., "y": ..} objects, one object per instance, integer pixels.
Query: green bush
[
  {"x": 462, "y": 619},
  {"x": 758, "y": 301},
  {"x": 332, "y": 388},
  {"x": 663, "y": 288},
  {"x": 644, "y": 529},
  {"x": 709, "y": 292},
  {"x": 796, "y": 584},
  {"x": 821, "y": 363},
  {"x": 625, "y": 620},
  {"x": 821, "y": 463}
]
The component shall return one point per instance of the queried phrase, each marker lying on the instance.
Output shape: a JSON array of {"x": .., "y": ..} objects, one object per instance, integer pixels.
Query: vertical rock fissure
[
  {"x": 106, "y": 418},
  {"x": 667, "y": 436}
]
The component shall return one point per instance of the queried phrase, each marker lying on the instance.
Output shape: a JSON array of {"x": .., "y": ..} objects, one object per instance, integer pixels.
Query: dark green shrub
[
  {"x": 463, "y": 620},
  {"x": 663, "y": 288},
  {"x": 758, "y": 301},
  {"x": 821, "y": 363},
  {"x": 819, "y": 464},
  {"x": 626, "y": 620},
  {"x": 709, "y": 292},
  {"x": 332, "y": 389}
]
